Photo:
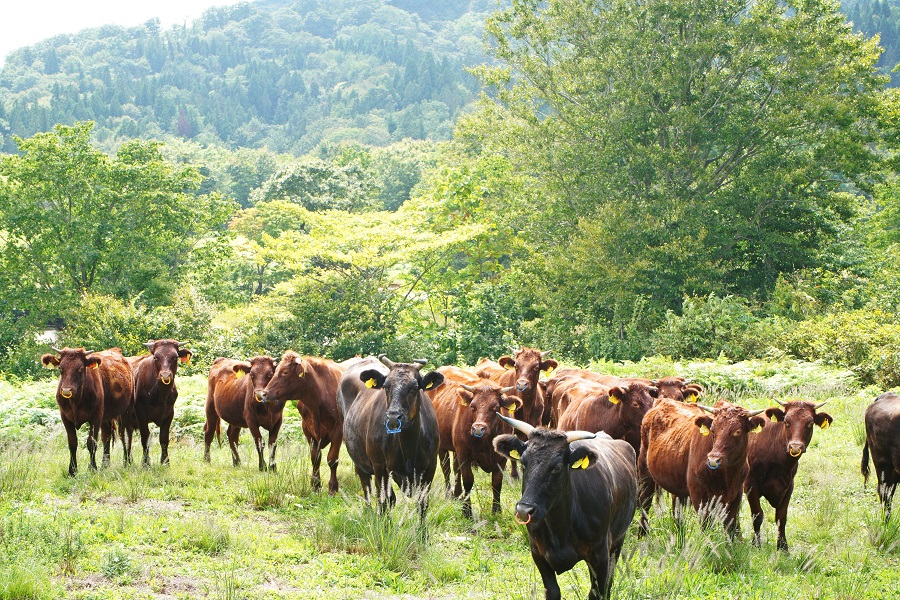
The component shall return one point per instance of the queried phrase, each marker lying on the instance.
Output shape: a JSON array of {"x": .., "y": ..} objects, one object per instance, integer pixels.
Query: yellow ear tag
[
  {"x": 704, "y": 430},
  {"x": 302, "y": 373},
  {"x": 515, "y": 454},
  {"x": 463, "y": 402},
  {"x": 691, "y": 398},
  {"x": 825, "y": 424},
  {"x": 756, "y": 429},
  {"x": 774, "y": 418},
  {"x": 511, "y": 408},
  {"x": 186, "y": 359},
  {"x": 509, "y": 367},
  {"x": 613, "y": 399},
  {"x": 369, "y": 384},
  {"x": 549, "y": 371},
  {"x": 584, "y": 463},
  {"x": 95, "y": 366},
  {"x": 430, "y": 385},
  {"x": 239, "y": 373}
]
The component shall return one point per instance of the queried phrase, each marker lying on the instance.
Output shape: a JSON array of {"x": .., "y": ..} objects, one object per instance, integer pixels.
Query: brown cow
[
  {"x": 313, "y": 383},
  {"x": 883, "y": 441},
  {"x": 235, "y": 395},
  {"x": 522, "y": 371},
  {"x": 616, "y": 411},
  {"x": 155, "y": 392},
  {"x": 467, "y": 408},
  {"x": 94, "y": 388},
  {"x": 696, "y": 455},
  {"x": 773, "y": 458}
]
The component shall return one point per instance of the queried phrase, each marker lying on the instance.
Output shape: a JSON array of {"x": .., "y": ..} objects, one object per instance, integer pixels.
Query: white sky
[{"x": 25, "y": 22}]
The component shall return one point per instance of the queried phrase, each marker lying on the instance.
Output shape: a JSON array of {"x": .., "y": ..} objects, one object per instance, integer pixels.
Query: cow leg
[
  {"x": 781, "y": 518},
  {"x": 599, "y": 571},
  {"x": 213, "y": 424},
  {"x": 93, "y": 434},
  {"x": 444, "y": 459},
  {"x": 273, "y": 443},
  {"x": 646, "y": 491},
  {"x": 732, "y": 518},
  {"x": 365, "y": 479},
  {"x": 496, "y": 487},
  {"x": 125, "y": 432},
  {"x": 164, "y": 440},
  {"x": 384, "y": 491},
  {"x": 315, "y": 457},
  {"x": 457, "y": 486},
  {"x": 334, "y": 454},
  {"x": 756, "y": 512},
  {"x": 887, "y": 484},
  {"x": 233, "y": 432},
  {"x": 548, "y": 577},
  {"x": 468, "y": 479},
  {"x": 72, "y": 437},
  {"x": 106, "y": 434},
  {"x": 145, "y": 441},
  {"x": 260, "y": 446},
  {"x": 514, "y": 472}
]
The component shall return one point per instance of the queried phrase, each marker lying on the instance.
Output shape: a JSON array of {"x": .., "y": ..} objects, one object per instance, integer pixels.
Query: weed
[
  {"x": 884, "y": 534},
  {"x": 117, "y": 563},
  {"x": 205, "y": 535},
  {"x": 20, "y": 583}
]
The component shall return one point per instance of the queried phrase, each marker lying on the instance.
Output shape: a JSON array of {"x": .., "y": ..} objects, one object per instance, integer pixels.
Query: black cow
[
  {"x": 579, "y": 492},
  {"x": 883, "y": 441},
  {"x": 390, "y": 426}
]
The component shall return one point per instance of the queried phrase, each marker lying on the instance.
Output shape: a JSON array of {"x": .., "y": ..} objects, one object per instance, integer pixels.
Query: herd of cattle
[{"x": 592, "y": 448}]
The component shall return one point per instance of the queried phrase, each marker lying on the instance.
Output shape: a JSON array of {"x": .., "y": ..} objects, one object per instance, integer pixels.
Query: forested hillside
[
  {"x": 283, "y": 74},
  {"x": 880, "y": 17}
]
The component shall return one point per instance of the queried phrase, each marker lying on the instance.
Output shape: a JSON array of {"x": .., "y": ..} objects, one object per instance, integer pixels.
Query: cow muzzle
[
  {"x": 526, "y": 511},
  {"x": 479, "y": 429},
  {"x": 66, "y": 393},
  {"x": 260, "y": 395},
  {"x": 796, "y": 450},
  {"x": 713, "y": 462},
  {"x": 523, "y": 385},
  {"x": 393, "y": 424},
  {"x": 165, "y": 377}
]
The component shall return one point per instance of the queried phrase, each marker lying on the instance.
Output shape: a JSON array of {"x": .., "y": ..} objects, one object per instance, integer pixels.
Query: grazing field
[{"x": 210, "y": 530}]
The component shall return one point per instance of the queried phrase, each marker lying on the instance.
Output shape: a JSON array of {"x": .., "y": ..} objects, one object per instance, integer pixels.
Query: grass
[{"x": 197, "y": 530}]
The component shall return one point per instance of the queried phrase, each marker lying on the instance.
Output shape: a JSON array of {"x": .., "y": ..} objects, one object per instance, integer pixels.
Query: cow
[
  {"x": 617, "y": 410},
  {"x": 522, "y": 371},
  {"x": 313, "y": 383},
  {"x": 467, "y": 407},
  {"x": 697, "y": 452},
  {"x": 390, "y": 427},
  {"x": 155, "y": 391},
  {"x": 579, "y": 491},
  {"x": 883, "y": 442},
  {"x": 773, "y": 457},
  {"x": 94, "y": 388},
  {"x": 235, "y": 395}
]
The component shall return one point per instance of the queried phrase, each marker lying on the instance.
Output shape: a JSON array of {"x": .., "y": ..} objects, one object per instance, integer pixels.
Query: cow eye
[
  {"x": 738, "y": 433},
  {"x": 787, "y": 424},
  {"x": 809, "y": 425}
]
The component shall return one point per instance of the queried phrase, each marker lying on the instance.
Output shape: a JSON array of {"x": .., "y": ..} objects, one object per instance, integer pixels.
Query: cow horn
[
  {"x": 711, "y": 411},
  {"x": 508, "y": 390},
  {"x": 417, "y": 365},
  {"x": 86, "y": 352},
  {"x": 819, "y": 405},
  {"x": 783, "y": 405},
  {"x": 522, "y": 426},
  {"x": 753, "y": 413},
  {"x": 468, "y": 388},
  {"x": 55, "y": 349},
  {"x": 574, "y": 436},
  {"x": 421, "y": 361},
  {"x": 149, "y": 344},
  {"x": 386, "y": 361},
  {"x": 546, "y": 353}
]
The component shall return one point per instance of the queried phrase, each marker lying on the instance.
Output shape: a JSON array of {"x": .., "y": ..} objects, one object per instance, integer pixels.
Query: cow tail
[
  {"x": 219, "y": 432},
  {"x": 114, "y": 429},
  {"x": 864, "y": 467}
]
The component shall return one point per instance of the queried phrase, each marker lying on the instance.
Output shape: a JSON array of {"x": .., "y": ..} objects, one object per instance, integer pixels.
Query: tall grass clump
[
  {"x": 26, "y": 583},
  {"x": 275, "y": 489},
  {"x": 884, "y": 534},
  {"x": 206, "y": 536}
]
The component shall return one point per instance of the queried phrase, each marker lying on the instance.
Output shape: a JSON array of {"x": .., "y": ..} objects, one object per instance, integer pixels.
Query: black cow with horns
[
  {"x": 579, "y": 492},
  {"x": 390, "y": 426}
]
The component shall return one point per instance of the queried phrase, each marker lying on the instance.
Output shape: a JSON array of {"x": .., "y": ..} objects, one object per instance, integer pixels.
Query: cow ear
[
  {"x": 775, "y": 414},
  {"x": 582, "y": 457},
  {"x": 184, "y": 355},
  {"x": 616, "y": 395},
  {"x": 543, "y": 385},
  {"x": 507, "y": 362},
  {"x": 373, "y": 378},
  {"x": 757, "y": 423},
  {"x": 510, "y": 446},
  {"x": 431, "y": 380},
  {"x": 92, "y": 362},
  {"x": 511, "y": 403},
  {"x": 823, "y": 420},
  {"x": 51, "y": 361},
  {"x": 704, "y": 422},
  {"x": 653, "y": 391},
  {"x": 465, "y": 396},
  {"x": 548, "y": 366},
  {"x": 241, "y": 369}
]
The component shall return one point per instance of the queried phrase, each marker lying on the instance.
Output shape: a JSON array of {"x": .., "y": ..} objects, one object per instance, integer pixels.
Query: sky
[{"x": 25, "y": 22}]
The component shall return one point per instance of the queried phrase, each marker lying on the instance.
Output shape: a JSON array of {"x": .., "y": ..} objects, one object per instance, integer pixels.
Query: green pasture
[{"x": 197, "y": 530}]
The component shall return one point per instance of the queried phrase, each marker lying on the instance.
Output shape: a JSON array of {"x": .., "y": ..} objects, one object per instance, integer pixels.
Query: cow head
[
  {"x": 528, "y": 364},
  {"x": 486, "y": 402},
  {"x": 729, "y": 426},
  {"x": 676, "y": 388},
  {"x": 73, "y": 364},
  {"x": 260, "y": 369},
  {"x": 404, "y": 389},
  {"x": 166, "y": 355},
  {"x": 632, "y": 403},
  {"x": 547, "y": 458},
  {"x": 289, "y": 375},
  {"x": 799, "y": 418}
]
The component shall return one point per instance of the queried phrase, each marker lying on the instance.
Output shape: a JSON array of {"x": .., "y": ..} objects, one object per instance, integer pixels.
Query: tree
[
  {"x": 75, "y": 220},
  {"x": 680, "y": 147}
]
